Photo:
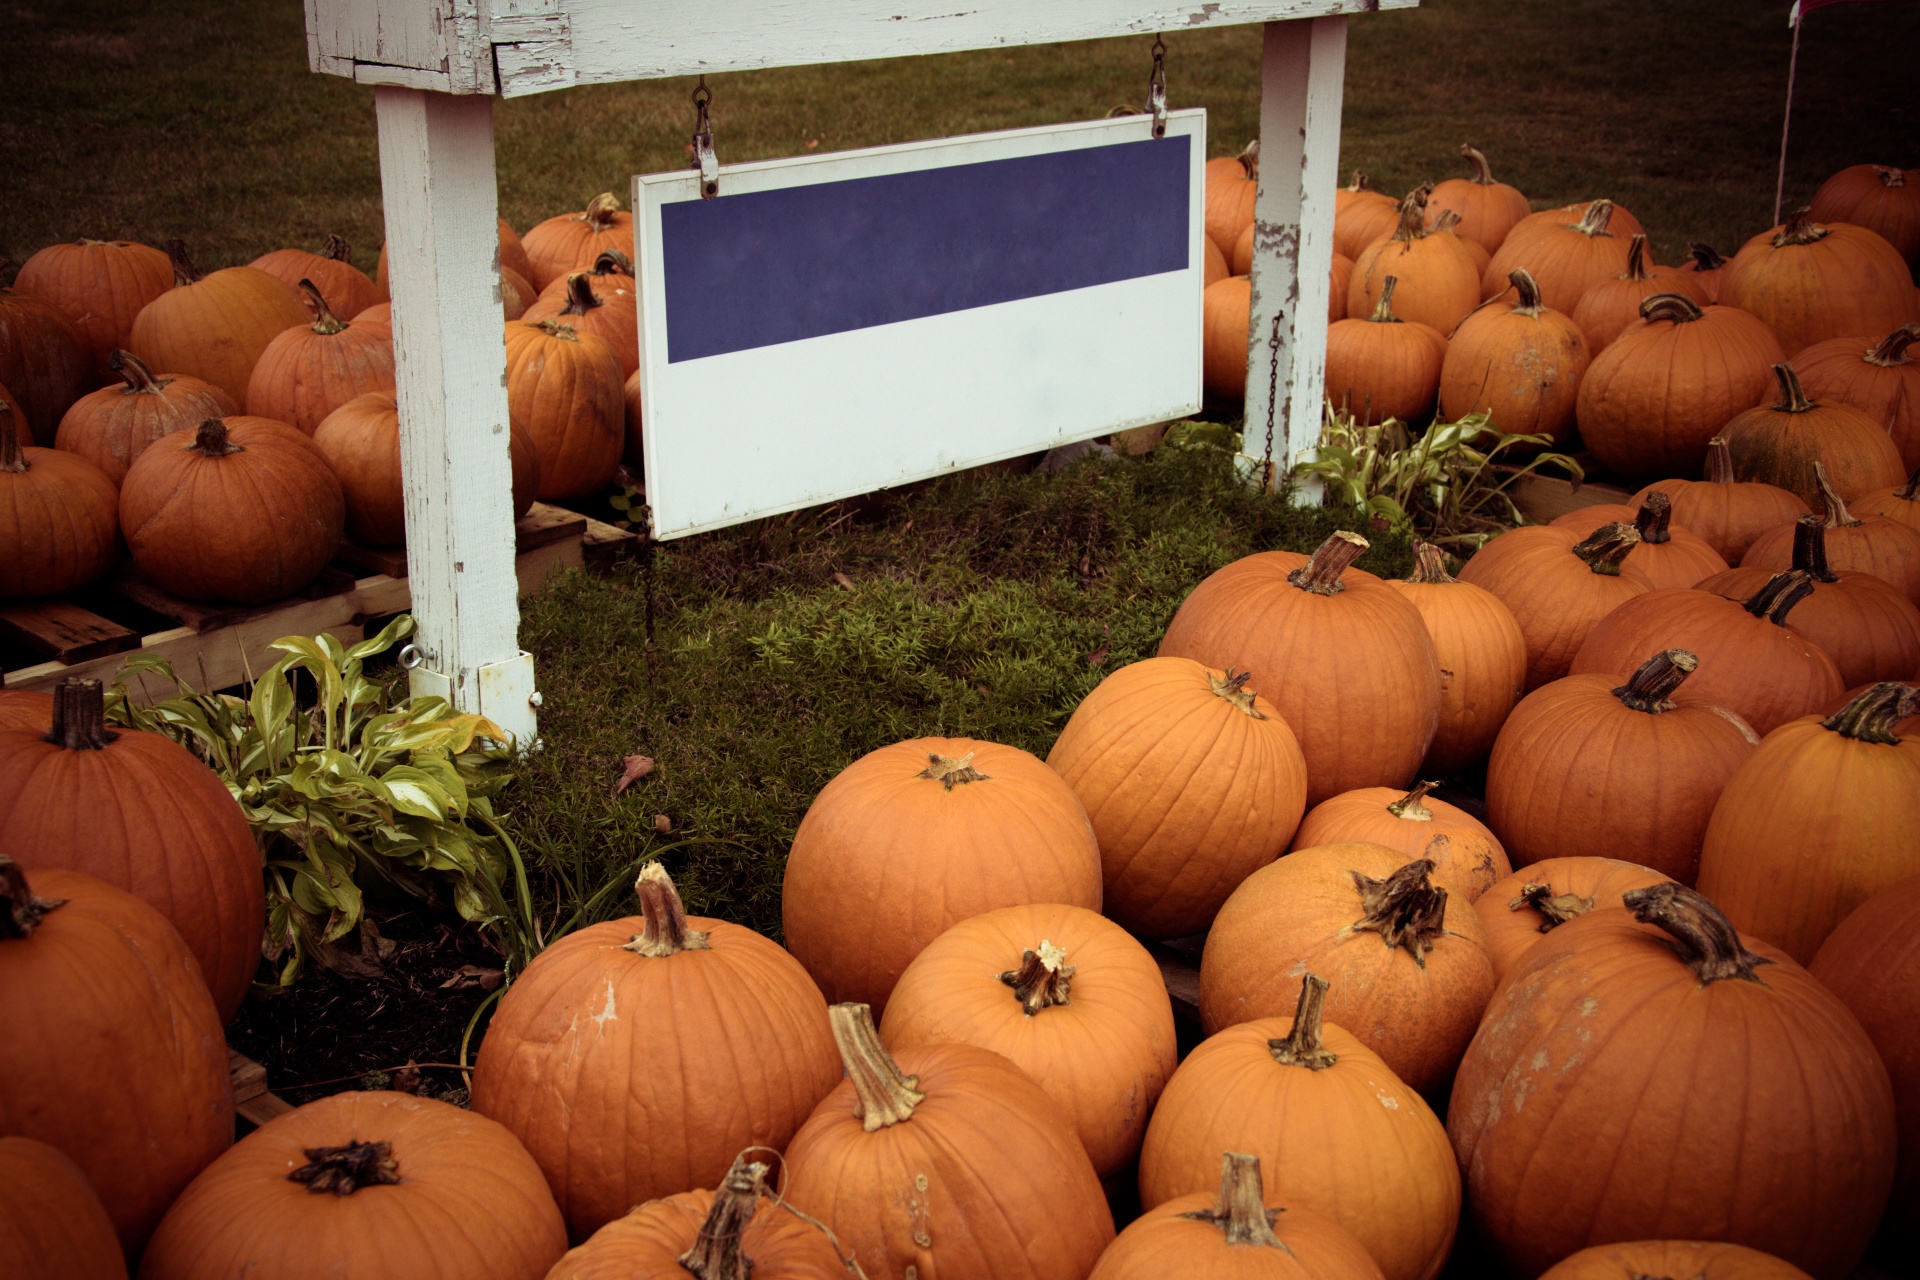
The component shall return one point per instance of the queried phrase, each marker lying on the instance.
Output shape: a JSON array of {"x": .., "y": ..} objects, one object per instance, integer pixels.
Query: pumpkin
[
  {"x": 214, "y": 325},
  {"x": 1670, "y": 556},
  {"x": 1361, "y": 215},
  {"x": 25, "y": 709},
  {"x": 374, "y": 1184},
  {"x": 93, "y": 981},
  {"x": 615, "y": 1057},
  {"x": 1409, "y": 969},
  {"x": 1362, "y": 692},
  {"x": 1878, "y": 545},
  {"x": 1519, "y": 362},
  {"x": 1064, "y": 994},
  {"x": 142, "y": 813},
  {"x": 1584, "y": 768},
  {"x": 1230, "y": 192},
  {"x": 1728, "y": 513},
  {"x": 1214, "y": 264},
  {"x": 1781, "y": 443},
  {"x": 1606, "y": 1030},
  {"x": 58, "y": 511},
  {"x": 1566, "y": 256},
  {"x": 1902, "y": 504},
  {"x": 633, "y": 450},
  {"x": 1650, "y": 403},
  {"x": 1750, "y": 662},
  {"x": 1871, "y": 961},
  {"x": 511, "y": 260},
  {"x": 1487, "y": 209},
  {"x": 611, "y": 270},
  {"x": 1437, "y": 282},
  {"x": 913, "y": 838},
  {"x": 1620, "y": 221},
  {"x": 725, "y": 1233},
  {"x": 947, "y": 1160},
  {"x": 1467, "y": 857},
  {"x": 110, "y": 427},
  {"x": 311, "y": 370},
  {"x": 1241, "y": 1232},
  {"x": 1882, "y": 198},
  {"x": 1811, "y": 282},
  {"x": 1226, "y": 311},
  {"x": 1246, "y": 164},
  {"x": 1541, "y": 897},
  {"x": 1191, "y": 780},
  {"x": 564, "y": 387},
  {"x": 570, "y": 241},
  {"x": 1448, "y": 220},
  {"x": 1343, "y": 1135},
  {"x": 52, "y": 1225},
  {"x": 361, "y": 442},
  {"x": 1820, "y": 819},
  {"x": 1482, "y": 656},
  {"x": 1383, "y": 367},
  {"x": 1909, "y": 727},
  {"x": 1558, "y": 587},
  {"x": 42, "y": 359},
  {"x": 1882, "y": 381},
  {"x": 332, "y": 272},
  {"x": 1607, "y": 308},
  {"x": 99, "y": 286},
  {"x": 1696, "y": 1259},
  {"x": 1707, "y": 266},
  {"x": 1342, "y": 280},
  {"x": 604, "y": 305}
]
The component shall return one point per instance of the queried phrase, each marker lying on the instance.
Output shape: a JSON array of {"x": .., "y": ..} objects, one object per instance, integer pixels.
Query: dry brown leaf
[
  {"x": 472, "y": 975},
  {"x": 662, "y": 823},
  {"x": 633, "y": 768}
]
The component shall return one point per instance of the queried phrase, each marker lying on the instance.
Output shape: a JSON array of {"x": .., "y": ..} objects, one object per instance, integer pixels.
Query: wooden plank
[
  {"x": 249, "y": 1077},
  {"x": 1182, "y": 977},
  {"x": 1543, "y": 499},
  {"x": 544, "y": 524},
  {"x": 392, "y": 561},
  {"x": 64, "y": 631},
  {"x": 261, "y": 1108},
  {"x": 213, "y": 615}
]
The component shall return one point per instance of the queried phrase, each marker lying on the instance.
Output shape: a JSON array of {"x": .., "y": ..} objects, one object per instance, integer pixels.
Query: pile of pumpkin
[{"x": 273, "y": 387}]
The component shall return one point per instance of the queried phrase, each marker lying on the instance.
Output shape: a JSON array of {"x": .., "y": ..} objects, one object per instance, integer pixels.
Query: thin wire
[{"x": 1786, "y": 121}]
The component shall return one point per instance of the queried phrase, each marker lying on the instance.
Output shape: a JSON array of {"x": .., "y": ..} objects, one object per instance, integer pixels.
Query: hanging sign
[{"x": 830, "y": 325}]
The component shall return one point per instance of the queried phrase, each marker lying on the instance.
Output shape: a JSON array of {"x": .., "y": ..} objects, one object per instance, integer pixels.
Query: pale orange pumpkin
[
  {"x": 1565, "y": 255},
  {"x": 1231, "y": 188},
  {"x": 1707, "y": 266},
  {"x": 42, "y": 359},
  {"x": 1488, "y": 210},
  {"x": 1214, "y": 264},
  {"x": 59, "y": 513},
  {"x": 214, "y": 325},
  {"x": 1882, "y": 198},
  {"x": 1879, "y": 378},
  {"x": 1695, "y": 1259},
  {"x": 1383, "y": 367},
  {"x": 564, "y": 388},
  {"x": 114, "y": 425},
  {"x": 1558, "y": 587},
  {"x": 1780, "y": 443},
  {"x": 1878, "y": 545},
  {"x": 1467, "y": 857},
  {"x": 52, "y": 1225},
  {"x": 1226, "y": 313},
  {"x": 1544, "y": 895},
  {"x": 1361, "y": 215},
  {"x": 1607, "y": 308},
  {"x": 633, "y": 449},
  {"x": 1519, "y": 362},
  {"x": 25, "y": 709},
  {"x": 571, "y": 241},
  {"x": 1438, "y": 286},
  {"x": 1728, "y": 513},
  {"x": 1811, "y": 281},
  {"x": 332, "y": 272},
  {"x": 1670, "y": 554},
  {"x": 100, "y": 286},
  {"x": 312, "y": 369},
  {"x": 601, "y": 304},
  {"x": 1482, "y": 656},
  {"x": 1902, "y": 504}
]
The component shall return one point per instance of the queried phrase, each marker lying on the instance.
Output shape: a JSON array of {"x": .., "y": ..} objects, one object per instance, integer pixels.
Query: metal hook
[
  {"x": 1157, "y": 88},
  {"x": 703, "y": 157}
]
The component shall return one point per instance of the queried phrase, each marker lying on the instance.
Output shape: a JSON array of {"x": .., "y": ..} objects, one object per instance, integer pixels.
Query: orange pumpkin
[
  {"x": 1606, "y": 1029},
  {"x": 1466, "y": 856},
  {"x": 1482, "y": 656},
  {"x": 1361, "y": 215},
  {"x": 1607, "y": 308},
  {"x": 1881, "y": 379},
  {"x": 1781, "y": 443},
  {"x": 658, "y": 1006},
  {"x": 1820, "y": 819},
  {"x": 633, "y": 448},
  {"x": 1214, "y": 264},
  {"x": 374, "y": 1184},
  {"x": 112, "y": 426},
  {"x": 1226, "y": 310},
  {"x": 58, "y": 511},
  {"x": 25, "y": 709},
  {"x": 604, "y": 305},
  {"x": 1363, "y": 687},
  {"x": 1879, "y": 197},
  {"x": 564, "y": 387},
  {"x": 1707, "y": 266},
  {"x": 1064, "y": 994},
  {"x": 43, "y": 360},
  {"x": 1409, "y": 969},
  {"x": 1728, "y": 513},
  {"x": 1902, "y": 504},
  {"x": 214, "y": 325},
  {"x": 1541, "y": 897},
  {"x": 1230, "y": 192},
  {"x": 1878, "y": 545},
  {"x": 1565, "y": 255},
  {"x": 52, "y": 1225},
  {"x": 1437, "y": 287},
  {"x": 1448, "y": 221},
  {"x": 100, "y": 286},
  {"x": 312, "y": 369},
  {"x": 1179, "y": 824},
  {"x": 1620, "y": 221},
  {"x": 1342, "y": 280},
  {"x": 1383, "y": 367},
  {"x": 1811, "y": 282},
  {"x": 571, "y": 241},
  {"x": 911, "y": 839},
  {"x": 1697, "y": 1259},
  {"x": 1670, "y": 556},
  {"x": 1558, "y": 587},
  {"x": 332, "y": 272},
  {"x": 1487, "y": 209},
  {"x": 1519, "y": 362}
]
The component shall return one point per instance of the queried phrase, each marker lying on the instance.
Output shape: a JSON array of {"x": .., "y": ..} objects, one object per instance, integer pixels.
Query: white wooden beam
[
  {"x": 1302, "y": 77},
  {"x": 437, "y": 177}
]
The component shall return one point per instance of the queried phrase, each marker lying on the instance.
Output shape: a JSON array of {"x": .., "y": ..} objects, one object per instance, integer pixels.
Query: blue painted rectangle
[{"x": 765, "y": 267}]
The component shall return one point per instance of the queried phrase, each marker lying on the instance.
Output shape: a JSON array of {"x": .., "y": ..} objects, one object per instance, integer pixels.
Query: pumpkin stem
[
  {"x": 344, "y": 1170},
  {"x": 612, "y": 262},
  {"x": 1556, "y": 908},
  {"x": 1594, "y": 221},
  {"x": 1776, "y": 598},
  {"x": 24, "y": 909},
  {"x": 1405, "y": 909},
  {"x": 1529, "y": 291},
  {"x": 1677, "y": 307},
  {"x": 1871, "y": 715},
  {"x": 1799, "y": 228},
  {"x": 1637, "y": 259},
  {"x": 1409, "y": 807},
  {"x": 13, "y": 454},
  {"x": 1792, "y": 398},
  {"x": 1233, "y": 687},
  {"x": 556, "y": 329},
  {"x": 1301, "y": 1047},
  {"x": 1838, "y": 516},
  {"x": 210, "y": 440},
  {"x": 600, "y": 210},
  {"x": 1892, "y": 349},
  {"x": 1249, "y": 159},
  {"x": 1413, "y": 214},
  {"x": 1703, "y": 937},
  {"x": 1810, "y": 548},
  {"x": 335, "y": 247},
  {"x": 325, "y": 323},
  {"x": 1429, "y": 565},
  {"x": 1652, "y": 520},
  {"x": 1705, "y": 256},
  {"x": 716, "y": 1253},
  {"x": 1448, "y": 220},
  {"x": 1361, "y": 182},
  {"x": 1321, "y": 573},
  {"x": 1482, "y": 171},
  {"x": 1890, "y": 175},
  {"x": 1607, "y": 546},
  {"x": 950, "y": 772},
  {"x": 135, "y": 373},
  {"x": 1912, "y": 492},
  {"x": 665, "y": 932},
  {"x": 184, "y": 272},
  {"x": 1043, "y": 978},
  {"x": 1648, "y": 689},
  {"x": 1719, "y": 461},
  {"x": 1383, "y": 305},
  {"x": 887, "y": 1095},
  {"x": 580, "y": 295},
  {"x": 1241, "y": 1212},
  {"x": 80, "y": 716}
]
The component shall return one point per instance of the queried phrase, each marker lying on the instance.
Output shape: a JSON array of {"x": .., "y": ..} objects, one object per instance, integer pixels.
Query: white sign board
[{"x": 831, "y": 325}]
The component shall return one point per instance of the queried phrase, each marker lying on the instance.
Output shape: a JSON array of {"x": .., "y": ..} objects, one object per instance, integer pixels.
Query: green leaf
[{"x": 415, "y": 791}]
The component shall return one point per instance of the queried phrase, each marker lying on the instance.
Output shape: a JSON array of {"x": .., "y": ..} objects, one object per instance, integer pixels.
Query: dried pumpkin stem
[
  {"x": 1606, "y": 548},
  {"x": 1810, "y": 548},
  {"x": 1241, "y": 1212},
  {"x": 1651, "y": 521},
  {"x": 1249, "y": 159},
  {"x": 1524, "y": 285},
  {"x": 1301, "y": 1046},
  {"x": 1555, "y": 908},
  {"x": 1360, "y": 182},
  {"x": 325, "y": 323},
  {"x": 665, "y": 932},
  {"x": 1719, "y": 461},
  {"x": 1703, "y": 937},
  {"x": 1413, "y": 214},
  {"x": 1429, "y": 564},
  {"x": 80, "y": 716},
  {"x": 1482, "y": 171},
  {"x": 1383, "y": 305},
  {"x": 1406, "y": 909},
  {"x": 886, "y": 1094},
  {"x": 1409, "y": 806},
  {"x": 1650, "y": 688},
  {"x": 1799, "y": 228},
  {"x": 21, "y": 909},
  {"x": 1912, "y": 491},
  {"x": 1321, "y": 573},
  {"x": 1793, "y": 399},
  {"x": 1705, "y": 256},
  {"x": 600, "y": 210},
  {"x": 1838, "y": 516},
  {"x": 556, "y": 329},
  {"x": 1677, "y": 307},
  {"x": 135, "y": 373},
  {"x": 13, "y": 454},
  {"x": 951, "y": 772},
  {"x": 335, "y": 247},
  {"x": 580, "y": 295},
  {"x": 184, "y": 272},
  {"x": 1043, "y": 980},
  {"x": 1233, "y": 687},
  {"x": 1872, "y": 714},
  {"x": 1892, "y": 349},
  {"x": 210, "y": 439},
  {"x": 344, "y": 1170},
  {"x": 1637, "y": 259},
  {"x": 612, "y": 262},
  {"x": 717, "y": 1252},
  {"x": 1594, "y": 221},
  {"x": 1777, "y": 597}
]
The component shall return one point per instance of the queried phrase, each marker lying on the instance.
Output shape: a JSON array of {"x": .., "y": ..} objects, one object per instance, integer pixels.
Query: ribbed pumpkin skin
[
  {"x": 1467, "y": 857},
  {"x": 1488, "y": 210},
  {"x": 1168, "y": 1244},
  {"x": 1875, "y": 545},
  {"x": 1522, "y": 366},
  {"x": 1621, "y": 222},
  {"x": 649, "y": 1240},
  {"x": 571, "y": 241},
  {"x": 564, "y": 387},
  {"x": 114, "y": 425},
  {"x": 1103, "y": 1056},
  {"x": 42, "y": 361},
  {"x": 1341, "y": 281},
  {"x": 1554, "y": 597},
  {"x": 615, "y": 317},
  {"x": 1606, "y": 309},
  {"x": 104, "y": 984},
  {"x": 1297, "y": 916},
  {"x": 1844, "y": 280},
  {"x": 1214, "y": 263},
  {"x": 100, "y": 286},
  {"x": 1878, "y": 376},
  {"x": 985, "y": 1182},
  {"x": 1438, "y": 285},
  {"x": 1350, "y": 1141},
  {"x": 347, "y": 289},
  {"x": 1226, "y": 310},
  {"x": 1694, "y": 1259},
  {"x": 1865, "y": 624},
  {"x": 1513, "y": 924},
  {"x": 1566, "y": 254},
  {"x": 1380, "y": 369},
  {"x": 887, "y": 858},
  {"x": 1362, "y": 686},
  {"x": 308, "y": 372},
  {"x": 633, "y": 451},
  {"x": 1729, "y": 514},
  {"x": 1779, "y": 445},
  {"x": 1879, "y": 197},
  {"x": 25, "y": 709},
  {"x": 248, "y": 526},
  {"x": 1483, "y": 667},
  {"x": 1810, "y": 827},
  {"x": 1707, "y": 268},
  {"x": 1361, "y": 216},
  {"x": 52, "y": 1225},
  {"x": 215, "y": 328},
  {"x": 625, "y": 1074},
  {"x": 469, "y": 1205},
  {"x": 1187, "y": 793},
  {"x": 57, "y": 519},
  {"x": 1229, "y": 206},
  {"x": 1681, "y": 561},
  {"x": 1602, "y": 1032},
  {"x": 1872, "y": 963}
]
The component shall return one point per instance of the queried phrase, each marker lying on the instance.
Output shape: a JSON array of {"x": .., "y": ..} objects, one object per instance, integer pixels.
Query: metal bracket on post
[
  {"x": 505, "y": 690},
  {"x": 703, "y": 158},
  {"x": 1157, "y": 88}
]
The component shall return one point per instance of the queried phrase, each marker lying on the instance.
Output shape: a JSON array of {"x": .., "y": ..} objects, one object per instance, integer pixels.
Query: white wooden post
[
  {"x": 443, "y": 264},
  {"x": 1302, "y": 74}
]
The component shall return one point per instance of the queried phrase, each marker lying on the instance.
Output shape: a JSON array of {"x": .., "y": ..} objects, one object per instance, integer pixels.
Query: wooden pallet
[
  {"x": 252, "y": 1100},
  {"x": 1542, "y": 499},
  {"x": 220, "y": 646}
]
